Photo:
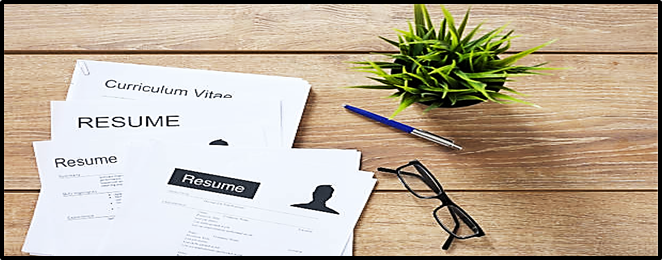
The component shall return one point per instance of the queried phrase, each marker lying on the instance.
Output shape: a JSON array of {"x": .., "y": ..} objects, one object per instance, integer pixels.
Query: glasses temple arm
[
  {"x": 450, "y": 239},
  {"x": 381, "y": 169},
  {"x": 425, "y": 180}
]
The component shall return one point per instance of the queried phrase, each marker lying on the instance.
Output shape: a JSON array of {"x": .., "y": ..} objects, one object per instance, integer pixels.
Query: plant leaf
[
  {"x": 419, "y": 18},
  {"x": 477, "y": 85},
  {"x": 433, "y": 106},
  {"x": 469, "y": 97},
  {"x": 506, "y": 97},
  {"x": 406, "y": 100},
  {"x": 442, "y": 30},
  {"x": 394, "y": 43},
  {"x": 455, "y": 38},
  {"x": 515, "y": 57},
  {"x": 507, "y": 89},
  {"x": 373, "y": 87},
  {"x": 471, "y": 34},
  {"x": 394, "y": 95},
  {"x": 483, "y": 40},
  {"x": 460, "y": 30}
]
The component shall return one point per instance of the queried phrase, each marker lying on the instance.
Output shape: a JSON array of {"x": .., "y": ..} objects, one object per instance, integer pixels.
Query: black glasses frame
[{"x": 455, "y": 211}]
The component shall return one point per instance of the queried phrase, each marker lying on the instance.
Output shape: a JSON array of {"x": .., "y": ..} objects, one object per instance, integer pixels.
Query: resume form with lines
[
  {"x": 81, "y": 194},
  {"x": 240, "y": 201},
  {"x": 83, "y": 184}
]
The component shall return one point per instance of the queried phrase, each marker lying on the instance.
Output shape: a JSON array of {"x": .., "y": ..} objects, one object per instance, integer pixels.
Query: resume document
[
  {"x": 240, "y": 202},
  {"x": 149, "y": 160}
]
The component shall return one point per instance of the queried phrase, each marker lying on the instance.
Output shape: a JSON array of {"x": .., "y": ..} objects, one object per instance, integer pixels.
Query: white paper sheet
[
  {"x": 175, "y": 207},
  {"x": 93, "y": 80},
  {"x": 196, "y": 118},
  {"x": 185, "y": 122},
  {"x": 83, "y": 183},
  {"x": 79, "y": 195},
  {"x": 85, "y": 187}
]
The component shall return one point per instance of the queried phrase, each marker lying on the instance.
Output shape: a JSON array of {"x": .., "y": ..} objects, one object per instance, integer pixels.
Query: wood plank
[
  {"x": 311, "y": 27},
  {"x": 516, "y": 223},
  {"x": 597, "y": 128},
  {"x": 19, "y": 208}
]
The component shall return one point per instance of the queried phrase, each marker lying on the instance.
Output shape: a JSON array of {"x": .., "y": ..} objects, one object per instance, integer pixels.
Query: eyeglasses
[{"x": 422, "y": 184}]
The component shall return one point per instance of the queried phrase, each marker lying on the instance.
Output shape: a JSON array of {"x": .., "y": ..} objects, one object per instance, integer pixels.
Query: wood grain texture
[
  {"x": 516, "y": 223},
  {"x": 597, "y": 128},
  {"x": 18, "y": 209},
  {"x": 314, "y": 27},
  {"x": 578, "y": 176}
]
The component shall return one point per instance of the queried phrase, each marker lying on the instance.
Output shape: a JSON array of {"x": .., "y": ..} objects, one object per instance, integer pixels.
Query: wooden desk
[{"x": 578, "y": 176}]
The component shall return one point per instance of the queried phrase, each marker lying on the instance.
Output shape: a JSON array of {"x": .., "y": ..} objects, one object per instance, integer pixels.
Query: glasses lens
[
  {"x": 456, "y": 221},
  {"x": 415, "y": 180}
]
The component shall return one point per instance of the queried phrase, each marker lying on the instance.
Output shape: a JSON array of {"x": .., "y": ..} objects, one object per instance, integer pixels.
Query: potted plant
[{"x": 449, "y": 67}]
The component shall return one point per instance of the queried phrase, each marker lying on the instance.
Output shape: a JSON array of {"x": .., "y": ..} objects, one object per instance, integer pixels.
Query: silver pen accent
[{"x": 435, "y": 138}]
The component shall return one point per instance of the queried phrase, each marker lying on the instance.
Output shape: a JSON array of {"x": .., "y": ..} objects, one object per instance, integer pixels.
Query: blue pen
[{"x": 405, "y": 128}]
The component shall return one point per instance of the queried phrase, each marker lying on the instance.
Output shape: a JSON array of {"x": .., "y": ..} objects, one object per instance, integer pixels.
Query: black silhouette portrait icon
[
  {"x": 219, "y": 142},
  {"x": 320, "y": 196}
]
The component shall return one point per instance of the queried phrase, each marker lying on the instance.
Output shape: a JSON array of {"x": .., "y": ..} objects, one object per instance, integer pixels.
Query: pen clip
[{"x": 435, "y": 138}]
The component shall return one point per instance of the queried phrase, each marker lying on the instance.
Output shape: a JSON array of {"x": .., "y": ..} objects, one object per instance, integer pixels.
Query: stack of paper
[{"x": 148, "y": 160}]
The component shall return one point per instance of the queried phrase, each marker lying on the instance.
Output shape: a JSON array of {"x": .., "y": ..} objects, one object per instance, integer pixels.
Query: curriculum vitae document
[
  {"x": 93, "y": 80},
  {"x": 235, "y": 201}
]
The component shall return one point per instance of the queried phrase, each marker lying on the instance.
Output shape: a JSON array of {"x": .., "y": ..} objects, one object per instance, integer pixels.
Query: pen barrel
[{"x": 435, "y": 138}]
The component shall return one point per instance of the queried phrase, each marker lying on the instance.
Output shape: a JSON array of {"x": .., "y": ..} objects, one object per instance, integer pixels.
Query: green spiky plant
[{"x": 449, "y": 67}]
